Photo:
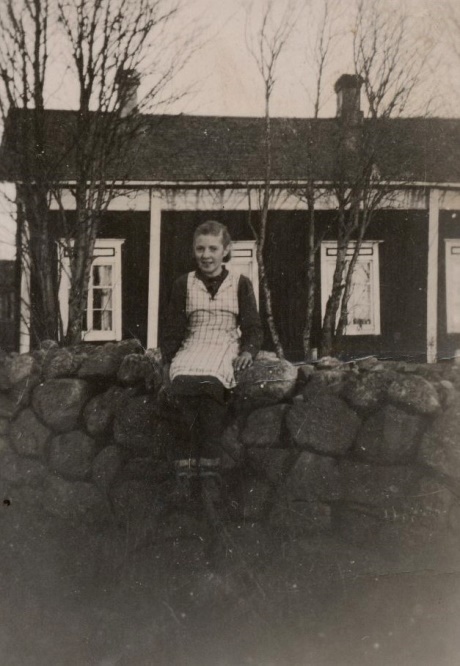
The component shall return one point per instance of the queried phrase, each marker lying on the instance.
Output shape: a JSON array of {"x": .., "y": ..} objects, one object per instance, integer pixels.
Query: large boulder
[
  {"x": 268, "y": 380},
  {"x": 136, "y": 426},
  {"x": 106, "y": 466},
  {"x": 100, "y": 411},
  {"x": 60, "y": 363},
  {"x": 78, "y": 502},
  {"x": 17, "y": 470},
  {"x": 28, "y": 435},
  {"x": 105, "y": 361},
  {"x": 21, "y": 391},
  {"x": 376, "y": 485},
  {"x": 7, "y": 406},
  {"x": 389, "y": 437},
  {"x": 325, "y": 424},
  {"x": 263, "y": 427},
  {"x": 4, "y": 425},
  {"x": 20, "y": 366},
  {"x": 414, "y": 393},
  {"x": 313, "y": 477},
  {"x": 137, "y": 368},
  {"x": 326, "y": 381},
  {"x": 71, "y": 455},
  {"x": 59, "y": 402},
  {"x": 366, "y": 392},
  {"x": 440, "y": 448},
  {"x": 273, "y": 464}
]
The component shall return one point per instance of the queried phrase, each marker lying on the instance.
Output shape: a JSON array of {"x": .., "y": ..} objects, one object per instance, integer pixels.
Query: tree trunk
[{"x": 311, "y": 274}]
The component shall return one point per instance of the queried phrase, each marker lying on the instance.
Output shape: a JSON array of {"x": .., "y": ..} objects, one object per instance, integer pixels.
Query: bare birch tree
[
  {"x": 24, "y": 56},
  {"x": 111, "y": 44},
  {"x": 107, "y": 45},
  {"x": 266, "y": 46},
  {"x": 389, "y": 69},
  {"x": 320, "y": 47}
]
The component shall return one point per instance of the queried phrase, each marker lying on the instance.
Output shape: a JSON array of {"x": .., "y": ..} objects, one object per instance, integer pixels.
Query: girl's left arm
[{"x": 249, "y": 320}]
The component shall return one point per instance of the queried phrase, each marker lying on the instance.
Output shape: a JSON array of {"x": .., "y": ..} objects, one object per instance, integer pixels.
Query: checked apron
[{"x": 212, "y": 339}]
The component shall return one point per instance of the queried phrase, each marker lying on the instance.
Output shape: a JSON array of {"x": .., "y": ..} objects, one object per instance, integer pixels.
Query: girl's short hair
[{"x": 213, "y": 228}]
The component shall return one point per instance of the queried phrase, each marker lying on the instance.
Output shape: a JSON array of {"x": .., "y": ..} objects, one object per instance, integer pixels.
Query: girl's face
[{"x": 209, "y": 253}]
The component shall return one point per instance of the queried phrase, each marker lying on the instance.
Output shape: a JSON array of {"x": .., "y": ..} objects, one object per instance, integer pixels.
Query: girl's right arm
[{"x": 175, "y": 327}]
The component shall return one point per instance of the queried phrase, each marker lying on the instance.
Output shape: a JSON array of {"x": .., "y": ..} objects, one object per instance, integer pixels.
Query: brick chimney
[
  {"x": 348, "y": 91},
  {"x": 127, "y": 82}
]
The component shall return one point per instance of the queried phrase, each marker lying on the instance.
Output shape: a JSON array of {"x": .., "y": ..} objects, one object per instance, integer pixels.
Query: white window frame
[
  {"x": 107, "y": 252},
  {"x": 244, "y": 256},
  {"x": 452, "y": 249},
  {"x": 368, "y": 249}
]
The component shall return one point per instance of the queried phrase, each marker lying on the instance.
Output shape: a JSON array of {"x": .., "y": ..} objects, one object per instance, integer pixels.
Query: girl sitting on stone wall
[{"x": 213, "y": 329}]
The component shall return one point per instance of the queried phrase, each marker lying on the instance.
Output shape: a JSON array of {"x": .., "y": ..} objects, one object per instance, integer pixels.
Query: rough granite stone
[
  {"x": 59, "y": 402},
  {"x": 106, "y": 466},
  {"x": 440, "y": 448},
  {"x": 327, "y": 381},
  {"x": 137, "y": 368},
  {"x": 78, "y": 502},
  {"x": 100, "y": 411},
  {"x": 60, "y": 363},
  {"x": 325, "y": 424},
  {"x": 4, "y": 425},
  {"x": 267, "y": 380},
  {"x": 20, "y": 366},
  {"x": 21, "y": 392},
  {"x": 7, "y": 406},
  {"x": 366, "y": 392},
  {"x": 313, "y": 477},
  {"x": 135, "y": 427},
  {"x": 105, "y": 361},
  {"x": 28, "y": 435},
  {"x": 389, "y": 437},
  {"x": 18, "y": 470},
  {"x": 273, "y": 464},
  {"x": 415, "y": 394},
  {"x": 263, "y": 427},
  {"x": 71, "y": 455}
]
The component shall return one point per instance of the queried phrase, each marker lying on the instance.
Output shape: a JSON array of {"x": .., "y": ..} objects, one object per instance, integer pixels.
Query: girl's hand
[{"x": 243, "y": 361}]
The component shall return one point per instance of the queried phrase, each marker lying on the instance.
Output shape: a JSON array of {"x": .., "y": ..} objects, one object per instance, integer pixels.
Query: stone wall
[{"x": 368, "y": 449}]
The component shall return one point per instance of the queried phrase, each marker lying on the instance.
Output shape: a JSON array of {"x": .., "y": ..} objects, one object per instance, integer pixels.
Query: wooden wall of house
[
  {"x": 134, "y": 227},
  {"x": 449, "y": 227},
  {"x": 403, "y": 275}
]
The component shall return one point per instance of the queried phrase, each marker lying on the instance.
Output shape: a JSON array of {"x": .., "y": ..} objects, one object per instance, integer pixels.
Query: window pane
[
  {"x": 102, "y": 320},
  {"x": 102, "y": 276},
  {"x": 102, "y": 299},
  {"x": 454, "y": 289},
  {"x": 360, "y": 302}
]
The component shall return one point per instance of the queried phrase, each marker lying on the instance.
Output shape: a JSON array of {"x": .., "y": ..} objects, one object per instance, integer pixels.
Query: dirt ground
[{"x": 74, "y": 597}]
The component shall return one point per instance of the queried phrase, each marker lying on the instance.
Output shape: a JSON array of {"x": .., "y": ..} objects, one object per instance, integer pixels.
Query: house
[{"x": 186, "y": 169}]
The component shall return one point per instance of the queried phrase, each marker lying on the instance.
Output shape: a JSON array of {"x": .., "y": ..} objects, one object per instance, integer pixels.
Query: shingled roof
[{"x": 188, "y": 149}]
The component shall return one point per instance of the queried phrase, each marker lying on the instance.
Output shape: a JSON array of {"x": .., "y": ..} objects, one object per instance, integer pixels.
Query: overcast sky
[{"x": 226, "y": 82}]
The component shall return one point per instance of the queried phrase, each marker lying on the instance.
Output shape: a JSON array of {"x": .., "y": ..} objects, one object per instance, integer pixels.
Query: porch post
[
  {"x": 432, "y": 282},
  {"x": 154, "y": 270}
]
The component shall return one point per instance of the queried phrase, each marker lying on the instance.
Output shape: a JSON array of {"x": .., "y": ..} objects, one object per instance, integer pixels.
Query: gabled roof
[{"x": 172, "y": 148}]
